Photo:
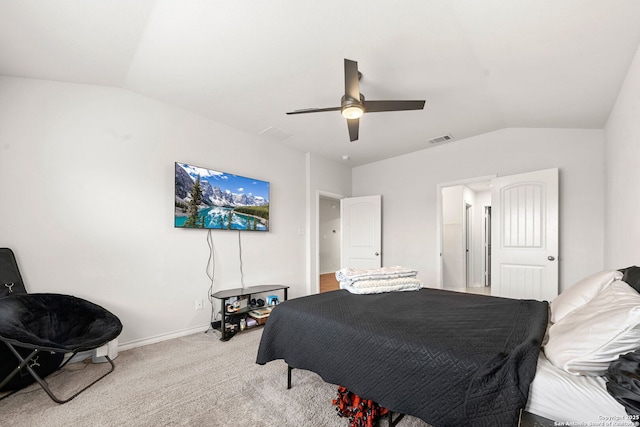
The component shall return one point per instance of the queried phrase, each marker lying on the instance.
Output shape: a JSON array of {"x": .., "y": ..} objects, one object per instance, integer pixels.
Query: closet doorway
[{"x": 464, "y": 236}]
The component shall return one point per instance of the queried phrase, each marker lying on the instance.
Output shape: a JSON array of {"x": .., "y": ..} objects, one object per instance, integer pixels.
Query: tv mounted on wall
[{"x": 210, "y": 199}]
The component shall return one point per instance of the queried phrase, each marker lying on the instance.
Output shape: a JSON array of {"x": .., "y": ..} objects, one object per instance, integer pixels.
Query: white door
[
  {"x": 361, "y": 232},
  {"x": 524, "y": 228}
]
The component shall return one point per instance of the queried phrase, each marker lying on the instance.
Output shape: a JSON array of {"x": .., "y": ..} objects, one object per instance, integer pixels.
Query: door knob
[
  {"x": 550, "y": 258},
  {"x": 377, "y": 254}
]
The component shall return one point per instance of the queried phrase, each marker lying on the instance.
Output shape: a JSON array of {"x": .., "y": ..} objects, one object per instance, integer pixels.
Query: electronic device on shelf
[{"x": 259, "y": 313}]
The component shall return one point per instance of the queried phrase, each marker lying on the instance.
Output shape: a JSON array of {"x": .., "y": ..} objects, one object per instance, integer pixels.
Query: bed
[
  {"x": 460, "y": 359},
  {"x": 374, "y": 345}
]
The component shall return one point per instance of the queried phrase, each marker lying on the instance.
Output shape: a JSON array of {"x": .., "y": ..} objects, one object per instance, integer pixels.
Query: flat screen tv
[{"x": 211, "y": 199}]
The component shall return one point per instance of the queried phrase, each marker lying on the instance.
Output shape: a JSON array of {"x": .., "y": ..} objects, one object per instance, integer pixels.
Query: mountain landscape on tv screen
[{"x": 206, "y": 198}]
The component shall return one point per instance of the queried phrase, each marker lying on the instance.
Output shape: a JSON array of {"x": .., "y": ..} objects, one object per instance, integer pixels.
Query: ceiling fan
[{"x": 353, "y": 104}]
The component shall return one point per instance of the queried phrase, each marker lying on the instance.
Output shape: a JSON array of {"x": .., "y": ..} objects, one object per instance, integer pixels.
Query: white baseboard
[
  {"x": 135, "y": 343},
  {"x": 162, "y": 337},
  {"x": 477, "y": 285}
]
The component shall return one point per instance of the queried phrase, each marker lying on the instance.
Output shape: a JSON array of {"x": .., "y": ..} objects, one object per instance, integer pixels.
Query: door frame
[
  {"x": 336, "y": 196},
  {"x": 486, "y": 246},
  {"x": 439, "y": 227},
  {"x": 468, "y": 246}
]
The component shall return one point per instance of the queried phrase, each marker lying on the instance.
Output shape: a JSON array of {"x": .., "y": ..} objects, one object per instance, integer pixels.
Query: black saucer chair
[{"x": 37, "y": 331}]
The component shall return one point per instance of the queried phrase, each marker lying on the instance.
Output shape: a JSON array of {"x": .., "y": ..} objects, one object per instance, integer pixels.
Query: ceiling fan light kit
[
  {"x": 353, "y": 104},
  {"x": 352, "y": 112}
]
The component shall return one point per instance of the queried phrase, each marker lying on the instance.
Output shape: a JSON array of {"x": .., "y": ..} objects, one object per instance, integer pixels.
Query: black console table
[{"x": 223, "y": 296}]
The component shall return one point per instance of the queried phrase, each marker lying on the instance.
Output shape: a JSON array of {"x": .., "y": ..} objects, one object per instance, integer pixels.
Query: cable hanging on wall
[
  {"x": 240, "y": 255},
  {"x": 211, "y": 272}
]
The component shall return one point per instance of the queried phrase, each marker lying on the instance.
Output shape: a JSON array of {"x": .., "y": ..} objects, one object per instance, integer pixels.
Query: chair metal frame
[{"x": 24, "y": 364}]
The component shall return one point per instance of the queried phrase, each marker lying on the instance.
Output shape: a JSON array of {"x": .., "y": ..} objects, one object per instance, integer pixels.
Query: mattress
[{"x": 563, "y": 397}]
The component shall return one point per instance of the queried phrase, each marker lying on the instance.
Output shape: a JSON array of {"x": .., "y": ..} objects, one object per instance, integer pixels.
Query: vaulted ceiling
[{"x": 480, "y": 65}]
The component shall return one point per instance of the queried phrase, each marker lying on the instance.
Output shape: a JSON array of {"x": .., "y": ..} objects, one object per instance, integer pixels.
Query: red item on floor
[{"x": 361, "y": 412}]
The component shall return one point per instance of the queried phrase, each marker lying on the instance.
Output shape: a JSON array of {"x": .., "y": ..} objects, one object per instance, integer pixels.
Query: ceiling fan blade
[
  {"x": 351, "y": 79},
  {"x": 314, "y": 110},
  {"x": 354, "y": 126},
  {"x": 377, "y": 106}
]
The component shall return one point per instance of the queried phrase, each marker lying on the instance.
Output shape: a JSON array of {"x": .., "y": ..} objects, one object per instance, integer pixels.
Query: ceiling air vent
[
  {"x": 440, "y": 139},
  {"x": 276, "y": 133}
]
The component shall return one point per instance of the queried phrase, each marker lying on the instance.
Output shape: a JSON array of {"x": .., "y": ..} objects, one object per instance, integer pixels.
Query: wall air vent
[{"x": 441, "y": 139}]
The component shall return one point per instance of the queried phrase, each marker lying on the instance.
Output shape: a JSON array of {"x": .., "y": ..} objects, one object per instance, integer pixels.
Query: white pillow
[
  {"x": 586, "y": 340},
  {"x": 581, "y": 293}
]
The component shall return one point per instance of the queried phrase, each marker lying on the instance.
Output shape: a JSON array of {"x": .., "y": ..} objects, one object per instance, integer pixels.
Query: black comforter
[{"x": 449, "y": 358}]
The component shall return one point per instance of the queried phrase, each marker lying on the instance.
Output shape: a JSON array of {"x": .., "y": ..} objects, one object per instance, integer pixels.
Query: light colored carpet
[{"x": 196, "y": 380}]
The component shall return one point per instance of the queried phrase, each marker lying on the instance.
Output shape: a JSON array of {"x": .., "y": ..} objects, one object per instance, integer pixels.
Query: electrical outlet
[{"x": 198, "y": 304}]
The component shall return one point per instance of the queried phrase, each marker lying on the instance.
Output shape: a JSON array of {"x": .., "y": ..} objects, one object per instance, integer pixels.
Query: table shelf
[{"x": 226, "y": 294}]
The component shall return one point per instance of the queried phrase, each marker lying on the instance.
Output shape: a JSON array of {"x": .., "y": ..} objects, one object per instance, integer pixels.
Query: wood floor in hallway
[{"x": 328, "y": 282}]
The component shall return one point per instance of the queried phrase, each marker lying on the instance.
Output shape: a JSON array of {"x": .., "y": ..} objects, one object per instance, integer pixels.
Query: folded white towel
[
  {"x": 350, "y": 275},
  {"x": 398, "y": 284}
]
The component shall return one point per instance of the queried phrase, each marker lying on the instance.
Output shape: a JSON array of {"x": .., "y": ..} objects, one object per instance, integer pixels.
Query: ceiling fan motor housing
[{"x": 352, "y": 108}]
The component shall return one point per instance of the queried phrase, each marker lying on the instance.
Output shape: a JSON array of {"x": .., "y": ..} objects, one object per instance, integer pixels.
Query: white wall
[
  {"x": 622, "y": 159},
  {"x": 453, "y": 237},
  {"x": 87, "y": 195},
  {"x": 408, "y": 184}
]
